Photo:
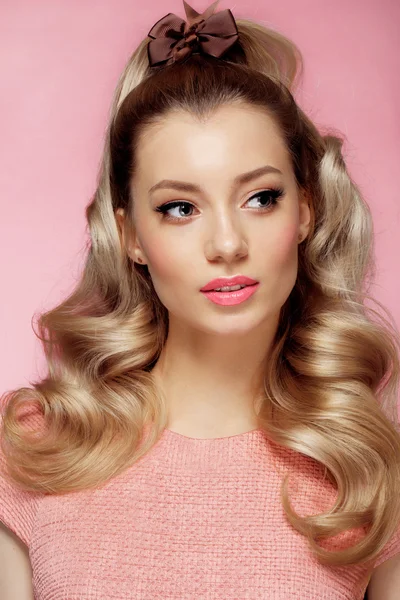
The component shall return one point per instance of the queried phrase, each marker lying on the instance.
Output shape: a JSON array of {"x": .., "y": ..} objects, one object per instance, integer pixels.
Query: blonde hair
[{"x": 333, "y": 356}]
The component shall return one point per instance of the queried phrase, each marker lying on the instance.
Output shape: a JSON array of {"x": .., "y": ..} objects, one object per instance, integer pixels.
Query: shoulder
[
  {"x": 312, "y": 490},
  {"x": 389, "y": 554},
  {"x": 18, "y": 507},
  {"x": 384, "y": 583}
]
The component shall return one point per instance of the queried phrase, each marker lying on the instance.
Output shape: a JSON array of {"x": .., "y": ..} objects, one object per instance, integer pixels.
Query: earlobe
[
  {"x": 136, "y": 252},
  {"x": 133, "y": 253}
]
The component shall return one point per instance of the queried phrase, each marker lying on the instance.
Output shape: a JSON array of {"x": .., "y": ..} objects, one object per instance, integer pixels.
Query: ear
[
  {"x": 131, "y": 245},
  {"x": 305, "y": 213},
  {"x": 120, "y": 219}
]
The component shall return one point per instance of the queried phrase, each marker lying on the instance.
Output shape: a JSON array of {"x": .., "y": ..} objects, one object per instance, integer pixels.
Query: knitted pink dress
[{"x": 194, "y": 519}]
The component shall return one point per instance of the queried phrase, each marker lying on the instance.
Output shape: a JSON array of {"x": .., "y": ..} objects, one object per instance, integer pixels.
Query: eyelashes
[{"x": 271, "y": 196}]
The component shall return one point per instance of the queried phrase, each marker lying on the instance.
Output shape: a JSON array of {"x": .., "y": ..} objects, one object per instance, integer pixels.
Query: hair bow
[{"x": 174, "y": 38}]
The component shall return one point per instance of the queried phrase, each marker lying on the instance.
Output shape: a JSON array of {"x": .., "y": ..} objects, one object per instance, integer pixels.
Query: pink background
[{"x": 60, "y": 61}]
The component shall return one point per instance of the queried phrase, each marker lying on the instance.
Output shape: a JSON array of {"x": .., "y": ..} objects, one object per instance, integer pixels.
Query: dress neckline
[
  {"x": 217, "y": 454},
  {"x": 252, "y": 433}
]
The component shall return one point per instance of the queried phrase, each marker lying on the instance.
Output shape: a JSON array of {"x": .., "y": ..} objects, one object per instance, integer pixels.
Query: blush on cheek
[
  {"x": 285, "y": 243},
  {"x": 166, "y": 264},
  {"x": 160, "y": 262},
  {"x": 283, "y": 264}
]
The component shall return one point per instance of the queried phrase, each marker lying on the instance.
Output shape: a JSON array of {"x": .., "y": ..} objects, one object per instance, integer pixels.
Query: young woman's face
[{"x": 221, "y": 227}]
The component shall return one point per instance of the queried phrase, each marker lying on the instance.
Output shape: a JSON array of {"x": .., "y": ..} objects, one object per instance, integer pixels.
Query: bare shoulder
[
  {"x": 15, "y": 567},
  {"x": 384, "y": 583}
]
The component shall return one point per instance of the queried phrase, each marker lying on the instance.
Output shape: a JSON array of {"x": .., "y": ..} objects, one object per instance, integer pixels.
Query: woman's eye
[
  {"x": 166, "y": 208},
  {"x": 268, "y": 199}
]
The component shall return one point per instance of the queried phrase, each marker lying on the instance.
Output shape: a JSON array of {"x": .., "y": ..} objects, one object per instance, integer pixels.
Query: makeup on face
[
  {"x": 228, "y": 291},
  {"x": 233, "y": 297},
  {"x": 224, "y": 203}
]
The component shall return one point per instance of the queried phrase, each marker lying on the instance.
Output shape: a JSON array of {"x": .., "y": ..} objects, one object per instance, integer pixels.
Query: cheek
[
  {"x": 169, "y": 258},
  {"x": 281, "y": 266},
  {"x": 283, "y": 246}
]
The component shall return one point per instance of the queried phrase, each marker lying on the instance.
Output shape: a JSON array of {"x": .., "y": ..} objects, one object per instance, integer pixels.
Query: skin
[{"x": 211, "y": 367}]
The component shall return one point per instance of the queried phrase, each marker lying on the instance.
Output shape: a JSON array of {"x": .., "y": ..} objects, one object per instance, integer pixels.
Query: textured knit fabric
[{"x": 192, "y": 519}]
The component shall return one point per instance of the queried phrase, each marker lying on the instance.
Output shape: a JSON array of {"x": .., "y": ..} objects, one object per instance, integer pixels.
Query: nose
[{"x": 225, "y": 239}]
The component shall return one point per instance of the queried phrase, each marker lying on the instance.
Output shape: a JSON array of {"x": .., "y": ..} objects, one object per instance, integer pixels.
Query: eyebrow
[{"x": 184, "y": 186}]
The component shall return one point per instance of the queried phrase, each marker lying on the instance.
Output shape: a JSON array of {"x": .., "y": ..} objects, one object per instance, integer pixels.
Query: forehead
[{"x": 231, "y": 139}]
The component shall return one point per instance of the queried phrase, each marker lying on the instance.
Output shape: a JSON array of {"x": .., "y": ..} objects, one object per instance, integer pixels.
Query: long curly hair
[{"x": 331, "y": 382}]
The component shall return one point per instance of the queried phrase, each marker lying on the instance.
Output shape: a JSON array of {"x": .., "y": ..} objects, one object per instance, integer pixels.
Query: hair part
[{"x": 98, "y": 410}]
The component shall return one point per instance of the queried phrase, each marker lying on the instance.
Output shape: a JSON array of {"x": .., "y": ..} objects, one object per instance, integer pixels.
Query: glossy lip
[
  {"x": 224, "y": 281},
  {"x": 232, "y": 298}
]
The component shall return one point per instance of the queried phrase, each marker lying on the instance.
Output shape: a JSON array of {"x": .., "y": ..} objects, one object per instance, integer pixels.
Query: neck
[{"x": 211, "y": 382}]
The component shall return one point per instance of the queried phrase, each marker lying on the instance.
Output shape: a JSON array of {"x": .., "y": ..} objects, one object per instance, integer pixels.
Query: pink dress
[{"x": 192, "y": 519}]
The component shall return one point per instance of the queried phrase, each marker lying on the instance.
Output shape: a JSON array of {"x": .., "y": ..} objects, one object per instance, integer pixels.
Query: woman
[{"x": 218, "y": 420}]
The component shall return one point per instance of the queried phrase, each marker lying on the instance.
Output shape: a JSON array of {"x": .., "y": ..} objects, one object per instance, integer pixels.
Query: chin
[{"x": 230, "y": 325}]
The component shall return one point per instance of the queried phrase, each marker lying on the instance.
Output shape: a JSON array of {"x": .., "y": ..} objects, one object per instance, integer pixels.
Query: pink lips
[
  {"x": 234, "y": 297},
  {"x": 231, "y": 298},
  {"x": 224, "y": 281}
]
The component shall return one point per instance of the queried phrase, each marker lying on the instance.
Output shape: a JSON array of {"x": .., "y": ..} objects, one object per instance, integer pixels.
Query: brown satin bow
[{"x": 174, "y": 38}]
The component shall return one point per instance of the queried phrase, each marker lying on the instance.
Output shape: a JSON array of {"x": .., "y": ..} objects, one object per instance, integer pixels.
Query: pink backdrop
[{"x": 60, "y": 61}]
